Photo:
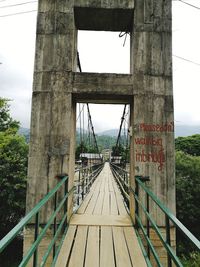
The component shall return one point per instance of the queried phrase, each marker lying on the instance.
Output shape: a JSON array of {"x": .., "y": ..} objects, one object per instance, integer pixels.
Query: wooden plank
[
  {"x": 85, "y": 203},
  {"x": 66, "y": 247},
  {"x": 107, "y": 220},
  {"x": 106, "y": 189},
  {"x": 87, "y": 199},
  {"x": 106, "y": 204},
  {"x": 78, "y": 251},
  {"x": 135, "y": 251},
  {"x": 106, "y": 247},
  {"x": 120, "y": 204},
  {"x": 120, "y": 247},
  {"x": 111, "y": 189},
  {"x": 99, "y": 204},
  {"x": 92, "y": 204},
  {"x": 102, "y": 187},
  {"x": 92, "y": 251},
  {"x": 113, "y": 204}
]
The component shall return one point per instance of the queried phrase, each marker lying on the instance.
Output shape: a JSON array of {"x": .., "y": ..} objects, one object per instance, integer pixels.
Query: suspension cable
[
  {"x": 89, "y": 115},
  {"x": 93, "y": 133},
  {"x": 120, "y": 128}
]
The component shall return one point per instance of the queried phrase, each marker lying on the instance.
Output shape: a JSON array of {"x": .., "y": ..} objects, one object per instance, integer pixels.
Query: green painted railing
[
  {"x": 59, "y": 227},
  {"x": 170, "y": 219},
  {"x": 57, "y": 222},
  {"x": 85, "y": 177},
  {"x": 122, "y": 178}
]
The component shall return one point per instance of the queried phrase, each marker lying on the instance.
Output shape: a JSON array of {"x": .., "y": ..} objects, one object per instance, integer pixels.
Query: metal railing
[
  {"x": 57, "y": 222},
  {"x": 57, "y": 227},
  {"x": 85, "y": 177},
  {"x": 143, "y": 230},
  {"x": 122, "y": 178},
  {"x": 170, "y": 220}
]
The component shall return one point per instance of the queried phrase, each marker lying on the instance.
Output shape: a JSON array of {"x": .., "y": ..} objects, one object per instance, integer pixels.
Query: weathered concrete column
[
  {"x": 152, "y": 113},
  {"x": 148, "y": 90},
  {"x": 52, "y": 140}
]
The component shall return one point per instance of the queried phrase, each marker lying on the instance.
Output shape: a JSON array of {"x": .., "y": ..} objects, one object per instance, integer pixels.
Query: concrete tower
[{"x": 58, "y": 87}]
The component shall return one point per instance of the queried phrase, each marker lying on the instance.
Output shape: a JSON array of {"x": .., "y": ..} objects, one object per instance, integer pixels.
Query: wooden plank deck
[{"x": 101, "y": 233}]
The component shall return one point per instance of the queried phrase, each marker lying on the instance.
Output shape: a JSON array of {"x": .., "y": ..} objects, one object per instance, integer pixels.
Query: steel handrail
[
  {"x": 169, "y": 217},
  {"x": 57, "y": 226},
  {"x": 169, "y": 214},
  {"x": 34, "y": 213},
  {"x": 17, "y": 229}
]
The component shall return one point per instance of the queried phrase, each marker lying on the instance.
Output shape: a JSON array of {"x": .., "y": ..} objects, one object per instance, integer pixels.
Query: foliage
[
  {"x": 83, "y": 148},
  {"x": 187, "y": 196},
  {"x": 121, "y": 151},
  {"x": 13, "y": 169},
  {"x": 189, "y": 144},
  {"x": 118, "y": 150},
  {"x": 25, "y": 132},
  {"x": 105, "y": 141},
  {"x": 192, "y": 261},
  {"x": 6, "y": 122}
]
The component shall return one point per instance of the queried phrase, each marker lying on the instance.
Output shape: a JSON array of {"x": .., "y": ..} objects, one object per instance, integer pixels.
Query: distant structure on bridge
[
  {"x": 91, "y": 158},
  {"x": 58, "y": 87}
]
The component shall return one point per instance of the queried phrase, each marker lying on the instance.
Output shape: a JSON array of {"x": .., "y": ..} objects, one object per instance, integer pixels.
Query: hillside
[
  {"x": 25, "y": 132},
  {"x": 180, "y": 130},
  {"x": 186, "y": 130},
  {"x": 107, "y": 139}
]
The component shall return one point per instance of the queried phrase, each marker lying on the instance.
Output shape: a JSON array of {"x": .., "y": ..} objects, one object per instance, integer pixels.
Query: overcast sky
[{"x": 17, "y": 45}]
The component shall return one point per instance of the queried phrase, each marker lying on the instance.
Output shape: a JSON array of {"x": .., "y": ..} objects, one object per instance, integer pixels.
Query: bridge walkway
[{"x": 101, "y": 233}]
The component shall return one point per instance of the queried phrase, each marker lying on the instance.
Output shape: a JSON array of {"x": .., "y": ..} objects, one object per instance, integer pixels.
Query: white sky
[{"x": 17, "y": 41}]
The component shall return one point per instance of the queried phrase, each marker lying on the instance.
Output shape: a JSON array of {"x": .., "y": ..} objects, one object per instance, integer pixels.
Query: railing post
[
  {"x": 136, "y": 203},
  {"x": 83, "y": 180},
  {"x": 147, "y": 222},
  {"x": 54, "y": 224},
  {"x": 35, "y": 257},
  {"x": 66, "y": 202},
  {"x": 88, "y": 180},
  {"x": 79, "y": 179},
  {"x": 168, "y": 239}
]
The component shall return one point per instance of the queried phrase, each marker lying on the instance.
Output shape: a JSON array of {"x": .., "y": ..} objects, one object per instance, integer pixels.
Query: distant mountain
[
  {"x": 112, "y": 132},
  {"x": 25, "y": 132},
  {"x": 186, "y": 130},
  {"x": 180, "y": 130}
]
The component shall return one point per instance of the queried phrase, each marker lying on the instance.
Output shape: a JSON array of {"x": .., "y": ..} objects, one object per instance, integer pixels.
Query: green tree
[
  {"x": 81, "y": 148},
  {"x": 13, "y": 170},
  {"x": 118, "y": 150},
  {"x": 188, "y": 195},
  {"x": 189, "y": 144},
  {"x": 6, "y": 122}
]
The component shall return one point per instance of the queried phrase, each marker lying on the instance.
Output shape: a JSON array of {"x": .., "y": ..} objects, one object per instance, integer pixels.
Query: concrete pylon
[{"x": 58, "y": 87}]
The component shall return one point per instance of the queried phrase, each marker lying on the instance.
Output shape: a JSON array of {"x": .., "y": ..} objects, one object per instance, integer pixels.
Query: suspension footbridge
[
  {"x": 100, "y": 232},
  {"x": 84, "y": 217}
]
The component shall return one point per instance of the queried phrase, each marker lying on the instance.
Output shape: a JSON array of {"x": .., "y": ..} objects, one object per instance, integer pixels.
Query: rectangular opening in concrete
[
  {"x": 104, "y": 52},
  {"x": 106, "y": 121}
]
